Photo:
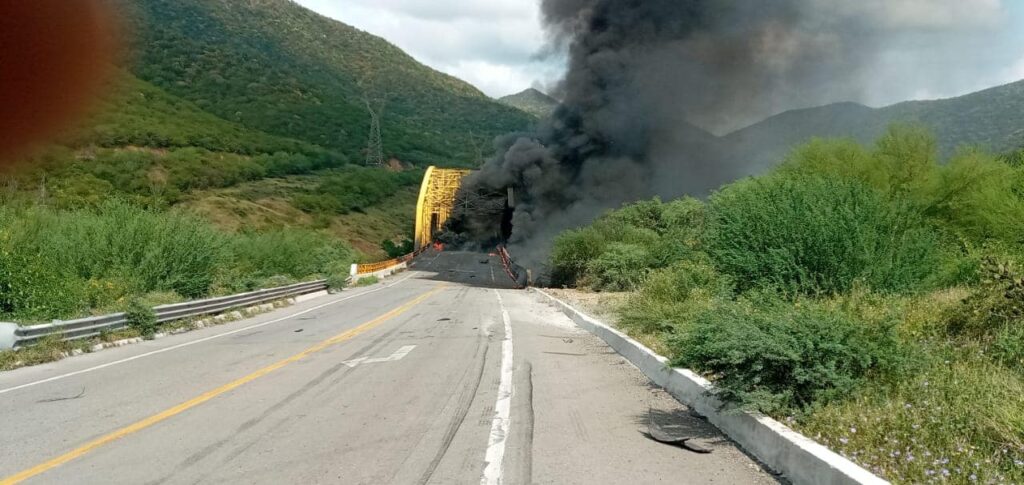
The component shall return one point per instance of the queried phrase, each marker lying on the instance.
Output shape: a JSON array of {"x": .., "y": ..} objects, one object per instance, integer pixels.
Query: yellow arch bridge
[{"x": 437, "y": 198}]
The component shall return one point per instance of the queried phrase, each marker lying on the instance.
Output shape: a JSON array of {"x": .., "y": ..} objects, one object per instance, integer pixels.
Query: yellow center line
[{"x": 185, "y": 406}]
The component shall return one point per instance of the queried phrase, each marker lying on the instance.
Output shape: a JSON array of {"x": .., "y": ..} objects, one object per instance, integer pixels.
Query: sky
[
  {"x": 953, "y": 47},
  {"x": 492, "y": 44}
]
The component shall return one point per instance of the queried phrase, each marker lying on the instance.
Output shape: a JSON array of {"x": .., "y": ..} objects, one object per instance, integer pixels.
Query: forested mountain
[
  {"x": 254, "y": 115},
  {"x": 277, "y": 67},
  {"x": 992, "y": 119},
  {"x": 531, "y": 101}
]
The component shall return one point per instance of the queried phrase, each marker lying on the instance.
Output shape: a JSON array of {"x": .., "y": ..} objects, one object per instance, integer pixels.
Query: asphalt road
[{"x": 442, "y": 374}]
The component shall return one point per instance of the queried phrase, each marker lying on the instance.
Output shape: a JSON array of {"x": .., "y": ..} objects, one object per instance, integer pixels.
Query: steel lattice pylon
[
  {"x": 375, "y": 145},
  {"x": 437, "y": 197}
]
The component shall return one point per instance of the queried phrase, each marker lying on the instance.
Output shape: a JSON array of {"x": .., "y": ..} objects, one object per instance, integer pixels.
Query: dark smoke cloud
[{"x": 647, "y": 84}]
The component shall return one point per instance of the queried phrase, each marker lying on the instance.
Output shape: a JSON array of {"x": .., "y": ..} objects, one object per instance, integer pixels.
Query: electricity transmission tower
[{"x": 375, "y": 145}]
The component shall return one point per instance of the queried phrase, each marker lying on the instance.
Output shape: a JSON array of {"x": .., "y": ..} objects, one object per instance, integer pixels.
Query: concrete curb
[{"x": 798, "y": 458}]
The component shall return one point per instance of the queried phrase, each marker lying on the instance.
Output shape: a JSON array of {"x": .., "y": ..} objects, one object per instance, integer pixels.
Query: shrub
[
  {"x": 63, "y": 263},
  {"x": 397, "y": 250},
  {"x": 33, "y": 288},
  {"x": 1008, "y": 346},
  {"x": 337, "y": 281},
  {"x": 671, "y": 298},
  {"x": 572, "y": 252},
  {"x": 975, "y": 194},
  {"x": 806, "y": 234},
  {"x": 297, "y": 253},
  {"x": 770, "y": 356},
  {"x": 621, "y": 267},
  {"x": 141, "y": 317},
  {"x": 992, "y": 307},
  {"x": 667, "y": 232}
]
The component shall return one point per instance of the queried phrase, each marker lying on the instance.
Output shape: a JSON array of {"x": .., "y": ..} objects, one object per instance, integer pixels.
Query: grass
[
  {"x": 368, "y": 281},
  {"x": 268, "y": 204}
]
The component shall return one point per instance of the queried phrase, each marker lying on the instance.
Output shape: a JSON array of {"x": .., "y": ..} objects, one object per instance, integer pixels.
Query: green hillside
[
  {"x": 253, "y": 116},
  {"x": 992, "y": 119},
  {"x": 531, "y": 101},
  {"x": 274, "y": 66}
]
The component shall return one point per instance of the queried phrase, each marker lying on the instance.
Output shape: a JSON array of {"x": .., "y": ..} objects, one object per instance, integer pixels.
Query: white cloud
[
  {"x": 935, "y": 48},
  {"x": 490, "y": 43}
]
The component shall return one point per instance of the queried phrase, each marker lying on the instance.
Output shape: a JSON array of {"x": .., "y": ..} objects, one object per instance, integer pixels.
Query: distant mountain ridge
[
  {"x": 531, "y": 101},
  {"x": 992, "y": 119}
]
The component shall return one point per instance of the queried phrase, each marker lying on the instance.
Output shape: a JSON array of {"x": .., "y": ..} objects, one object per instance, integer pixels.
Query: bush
[
  {"x": 393, "y": 250},
  {"x": 141, "y": 318},
  {"x": 666, "y": 232},
  {"x": 337, "y": 281},
  {"x": 810, "y": 235},
  {"x": 767, "y": 355},
  {"x": 572, "y": 252},
  {"x": 975, "y": 194},
  {"x": 621, "y": 267},
  {"x": 297, "y": 253},
  {"x": 671, "y": 298},
  {"x": 993, "y": 306},
  {"x": 63, "y": 263},
  {"x": 33, "y": 288}
]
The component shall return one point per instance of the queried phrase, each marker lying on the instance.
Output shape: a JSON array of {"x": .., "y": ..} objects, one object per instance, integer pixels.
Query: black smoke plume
[{"x": 648, "y": 82}]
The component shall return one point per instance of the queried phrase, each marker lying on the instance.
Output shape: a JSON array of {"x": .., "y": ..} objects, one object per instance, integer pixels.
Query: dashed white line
[
  {"x": 194, "y": 342},
  {"x": 500, "y": 424}
]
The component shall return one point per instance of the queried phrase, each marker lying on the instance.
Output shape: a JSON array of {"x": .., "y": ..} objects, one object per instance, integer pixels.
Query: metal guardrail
[
  {"x": 83, "y": 328},
  {"x": 518, "y": 275}
]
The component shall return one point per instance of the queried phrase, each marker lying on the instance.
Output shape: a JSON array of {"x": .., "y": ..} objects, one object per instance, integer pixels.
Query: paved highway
[{"x": 442, "y": 374}]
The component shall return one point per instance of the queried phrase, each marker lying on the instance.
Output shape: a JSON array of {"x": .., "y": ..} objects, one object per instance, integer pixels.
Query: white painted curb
[{"x": 798, "y": 458}]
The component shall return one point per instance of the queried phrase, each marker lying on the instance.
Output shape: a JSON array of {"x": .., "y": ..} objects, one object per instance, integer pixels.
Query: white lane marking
[
  {"x": 398, "y": 355},
  {"x": 495, "y": 455},
  {"x": 197, "y": 341}
]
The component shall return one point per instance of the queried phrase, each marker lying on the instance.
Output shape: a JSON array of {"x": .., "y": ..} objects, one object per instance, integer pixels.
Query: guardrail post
[
  {"x": 8, "y": 335},
  {"x": 355, "y": 270}
]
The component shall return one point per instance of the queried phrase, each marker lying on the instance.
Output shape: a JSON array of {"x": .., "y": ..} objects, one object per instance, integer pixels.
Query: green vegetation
[
  {"x": 250, "y": 115},
  {"x": 141, "y": 318},
  {"x": 531, "y": 101},
  {"x": 276, "y": 67},
  {"x": 810, "y": 234},
  {"x": 869, "y": 297},
  {"x": 368, "y": 281},
  {"x": 354, "y": 189},
  {"x": 65, "y": 263}
]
